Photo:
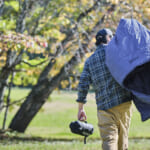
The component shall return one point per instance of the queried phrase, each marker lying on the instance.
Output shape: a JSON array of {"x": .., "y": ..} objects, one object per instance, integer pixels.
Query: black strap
[{"x": 85, "y": 139}]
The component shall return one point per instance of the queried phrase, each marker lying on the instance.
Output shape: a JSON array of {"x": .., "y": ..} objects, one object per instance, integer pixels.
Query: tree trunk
[
  {"x": 36, "y": 99},
  {"x": 31, "y": 106}
]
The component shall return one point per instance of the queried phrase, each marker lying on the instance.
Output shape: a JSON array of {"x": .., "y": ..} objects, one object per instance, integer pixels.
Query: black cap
[
  {"x": 101, "y": 35},
  {"x": 104, "y": 32}
]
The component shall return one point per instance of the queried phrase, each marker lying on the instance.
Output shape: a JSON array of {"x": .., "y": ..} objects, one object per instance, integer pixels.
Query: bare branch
[
  {"x": 15, "y": 102},
  {"x": 47, "y": 69},
  {"x": 25, "y": 62},
  {"x": 54, "y": 15},
  {"x": 84, "y": 14},
  {"x": 40, "y": 16},
  {"x": 18, "y": 70},
  {"x": 8, "y": 100},
  {"x": 20, "y": 25},
  {"x": 58, "y": 49},
  {"x": 1, "y": 7}
]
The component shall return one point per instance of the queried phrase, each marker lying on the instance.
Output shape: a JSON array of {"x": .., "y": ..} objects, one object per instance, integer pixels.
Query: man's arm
[{"x": 83, "y": 88}]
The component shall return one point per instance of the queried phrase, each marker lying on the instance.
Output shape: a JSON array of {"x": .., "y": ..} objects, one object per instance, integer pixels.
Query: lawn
[
  {"x": 52, "y": 122},
  {"x": 75, "y": 145}
]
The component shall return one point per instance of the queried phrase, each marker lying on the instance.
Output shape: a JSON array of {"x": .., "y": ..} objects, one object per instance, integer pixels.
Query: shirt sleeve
[{"x": 84, "y": 83}]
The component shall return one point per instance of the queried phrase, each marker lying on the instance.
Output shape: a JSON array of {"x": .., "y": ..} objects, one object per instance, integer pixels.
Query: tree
[{"x": 45, "y": 85}]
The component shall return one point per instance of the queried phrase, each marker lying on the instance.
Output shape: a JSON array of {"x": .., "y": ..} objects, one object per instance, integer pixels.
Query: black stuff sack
[{"x": 81, "y": 128}]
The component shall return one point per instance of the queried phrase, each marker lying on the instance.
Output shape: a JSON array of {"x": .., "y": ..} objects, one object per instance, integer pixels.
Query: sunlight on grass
[
  {"x": 54, "y": 118},
  {"x": 18, "y": 93}
]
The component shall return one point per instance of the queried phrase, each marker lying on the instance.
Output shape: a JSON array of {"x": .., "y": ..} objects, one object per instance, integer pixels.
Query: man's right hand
[{"x": 81, "y": 113}]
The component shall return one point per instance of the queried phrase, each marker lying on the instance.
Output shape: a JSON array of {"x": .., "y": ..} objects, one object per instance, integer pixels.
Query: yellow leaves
[
  {"x": 88, "y": 54},
  {"x": 113, "y": 1},
  {"x": 141, "y": 1},
  {"x": 147, "y": 10},
  {"x": 64, "y": 83},
  {"x": 2, "y": 59},
  {"x": 69, "y": 9},
  {"x": 29, "y": 72},
  {"x": 84, "y": 2},
  {"x": 60, "y": 62},
  {"x": 54, "y": 33},
  {"x": 75, "y": 84}
]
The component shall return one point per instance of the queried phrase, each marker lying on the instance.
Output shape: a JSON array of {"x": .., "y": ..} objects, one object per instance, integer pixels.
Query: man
[{"x": 113, "y": 102}]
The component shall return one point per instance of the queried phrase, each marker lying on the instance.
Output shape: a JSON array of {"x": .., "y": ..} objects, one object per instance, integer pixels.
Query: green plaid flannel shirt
[{"x": 107, "y": 91}]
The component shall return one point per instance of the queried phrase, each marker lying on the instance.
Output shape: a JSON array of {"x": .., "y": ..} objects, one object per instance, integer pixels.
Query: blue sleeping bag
[{"x": 128, "y": 59}]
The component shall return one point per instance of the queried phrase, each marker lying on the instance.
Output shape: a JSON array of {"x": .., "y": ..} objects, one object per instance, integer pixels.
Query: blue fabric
[
  {"x": 108, "y": 92},
  {"x": 129, "y": 49},
  {"x": 143, "y": 108}
]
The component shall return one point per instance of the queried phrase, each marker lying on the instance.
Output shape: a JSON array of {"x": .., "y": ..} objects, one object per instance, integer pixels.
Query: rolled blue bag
[{"x": 128, "y": 60}]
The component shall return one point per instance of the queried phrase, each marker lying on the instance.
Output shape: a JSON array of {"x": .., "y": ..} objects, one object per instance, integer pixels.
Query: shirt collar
[{"x": 101, "y": 46}]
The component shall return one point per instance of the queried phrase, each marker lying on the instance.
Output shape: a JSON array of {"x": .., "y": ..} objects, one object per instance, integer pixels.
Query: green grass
[
  {"x": 19, "y": 93},
  {"x": 54, "y": 118},
  {"x": 75, "y": 145}
]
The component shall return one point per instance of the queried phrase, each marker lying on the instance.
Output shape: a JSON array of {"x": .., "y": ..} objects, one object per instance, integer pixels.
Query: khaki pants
[{"x": 114, "y": 125}]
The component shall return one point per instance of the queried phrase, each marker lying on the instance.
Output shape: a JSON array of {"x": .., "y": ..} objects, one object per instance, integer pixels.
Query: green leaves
[
  {"x": 14, "y": 4},
  {"x": 28, "y": 73},
  {"x": 58, "y": 29}
]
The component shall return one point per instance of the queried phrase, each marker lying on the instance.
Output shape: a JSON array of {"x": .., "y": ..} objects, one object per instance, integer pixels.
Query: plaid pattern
[{"x": 108, "y": 92}]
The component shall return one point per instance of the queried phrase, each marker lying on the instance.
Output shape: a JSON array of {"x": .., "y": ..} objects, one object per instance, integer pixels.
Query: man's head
[{"x": 103, "y": 36}]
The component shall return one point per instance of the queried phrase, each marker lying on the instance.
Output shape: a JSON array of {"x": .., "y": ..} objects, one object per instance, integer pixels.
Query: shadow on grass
[{"x": 13, "y": 137}]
